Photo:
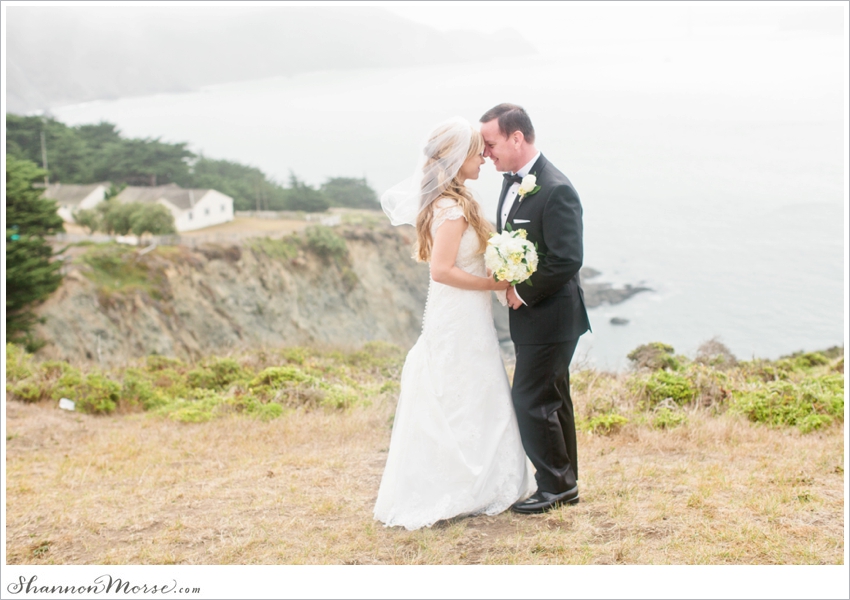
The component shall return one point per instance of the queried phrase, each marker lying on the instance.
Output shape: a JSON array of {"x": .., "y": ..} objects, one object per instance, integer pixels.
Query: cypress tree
[{"x": 31, "y": 276}]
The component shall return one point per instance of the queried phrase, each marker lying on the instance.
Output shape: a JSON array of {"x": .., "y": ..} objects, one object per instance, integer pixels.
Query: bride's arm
[{"x": 444, "y": 255}]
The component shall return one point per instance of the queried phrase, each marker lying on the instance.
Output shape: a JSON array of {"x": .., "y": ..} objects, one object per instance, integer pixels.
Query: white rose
[{"x": 528, "y": 183}]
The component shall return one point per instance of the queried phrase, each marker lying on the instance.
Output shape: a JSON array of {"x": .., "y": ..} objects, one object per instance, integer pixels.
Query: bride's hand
[{"x": 499, "y": 285}]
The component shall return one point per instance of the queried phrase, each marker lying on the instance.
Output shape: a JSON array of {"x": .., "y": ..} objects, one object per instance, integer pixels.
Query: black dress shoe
[{"x": 541, "y": 502}]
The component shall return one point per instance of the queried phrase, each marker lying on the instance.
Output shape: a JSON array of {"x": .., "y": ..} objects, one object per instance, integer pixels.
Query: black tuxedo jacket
[{"x": 554, "y": 310}]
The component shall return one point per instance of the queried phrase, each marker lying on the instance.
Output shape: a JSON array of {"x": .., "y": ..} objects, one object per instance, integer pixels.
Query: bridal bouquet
[{"x": 510, "y": 257}]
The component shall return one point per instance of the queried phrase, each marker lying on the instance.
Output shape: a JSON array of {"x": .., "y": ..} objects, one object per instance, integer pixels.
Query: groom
[{"x": 548, "y": 313}]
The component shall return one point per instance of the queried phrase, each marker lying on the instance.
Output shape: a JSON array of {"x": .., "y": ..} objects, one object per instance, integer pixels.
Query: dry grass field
[{"x": 140, "y": 488}]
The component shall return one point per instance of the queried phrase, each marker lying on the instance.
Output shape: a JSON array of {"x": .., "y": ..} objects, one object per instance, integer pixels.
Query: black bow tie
[{"x": 512, "y": 178}]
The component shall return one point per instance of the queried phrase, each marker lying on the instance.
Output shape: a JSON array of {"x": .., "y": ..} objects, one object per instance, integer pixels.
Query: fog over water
[{"x": 708, "y": 152}]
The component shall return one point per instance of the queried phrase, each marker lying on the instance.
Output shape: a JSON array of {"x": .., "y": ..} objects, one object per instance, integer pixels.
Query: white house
[
  {"x": 70, "y": 197},
  {"x": 192, "y": 209}
]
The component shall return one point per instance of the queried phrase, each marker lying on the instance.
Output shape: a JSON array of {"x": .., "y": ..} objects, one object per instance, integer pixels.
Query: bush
[
  {"x": 158, "y": 363},
  {"x": 139, "y": 390},
  {"x": 604, "y": 424},
  {"x": 130, "y": 217},
  {"x": 325, "y": 243},
  {"x": 201, "y": 406},
  {"x": 92, "y": 393},
  {"x": 654, "y": 356},
  {"x": 215, "y": 374},
  {"x": 808, "y": 405},
  {"x": 662, "y": 385},
  {"x": 715, "y": 354},
  {"x": 116, "y": 268},
  {"x": 18, "y": 363},
  {"x": 283, "y": 249},
  {"x": 802, "y": 361},
  {"x": 665, "y": 418},
  {"x": 152, "y": 218},
  {"x": 280, "y": 377}
]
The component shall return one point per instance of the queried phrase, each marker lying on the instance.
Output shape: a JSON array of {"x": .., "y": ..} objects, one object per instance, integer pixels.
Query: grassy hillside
[{"x": 275, "y": 457}]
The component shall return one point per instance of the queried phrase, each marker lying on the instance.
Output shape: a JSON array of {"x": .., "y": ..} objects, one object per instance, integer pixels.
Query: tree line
[{"x": 94, "y": 153}]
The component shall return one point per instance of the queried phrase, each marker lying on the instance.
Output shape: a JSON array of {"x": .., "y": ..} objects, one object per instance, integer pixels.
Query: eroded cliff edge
[{"x": 356, "y": 284}]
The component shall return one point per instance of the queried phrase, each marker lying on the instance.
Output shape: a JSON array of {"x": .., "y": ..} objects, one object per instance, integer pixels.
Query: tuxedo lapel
[
  {"x": 537, "y": 169},
  {"x": 505, "y": 186}
]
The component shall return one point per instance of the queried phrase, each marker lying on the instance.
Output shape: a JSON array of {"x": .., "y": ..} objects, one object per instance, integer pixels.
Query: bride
[{"x": 455, "y": 446}]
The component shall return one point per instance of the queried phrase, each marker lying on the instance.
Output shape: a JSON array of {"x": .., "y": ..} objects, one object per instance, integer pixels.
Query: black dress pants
[{"x": 544, "y": 410}]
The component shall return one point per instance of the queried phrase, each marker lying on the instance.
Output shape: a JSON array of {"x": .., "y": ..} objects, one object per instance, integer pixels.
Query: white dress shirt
[{"x": 510, "y": 198}]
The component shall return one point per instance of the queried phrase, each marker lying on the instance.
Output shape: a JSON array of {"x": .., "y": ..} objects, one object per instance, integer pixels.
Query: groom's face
[{"x": 498, "y": 148}]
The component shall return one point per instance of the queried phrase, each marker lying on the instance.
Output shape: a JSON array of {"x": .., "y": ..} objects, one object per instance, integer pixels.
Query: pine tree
[{"x": 30, "y": 274}]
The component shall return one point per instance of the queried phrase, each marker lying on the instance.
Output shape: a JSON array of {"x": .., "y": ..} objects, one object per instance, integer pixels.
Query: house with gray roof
[
  {"x": 192, "y": 208},
  {"x": 71, "y": 197}
]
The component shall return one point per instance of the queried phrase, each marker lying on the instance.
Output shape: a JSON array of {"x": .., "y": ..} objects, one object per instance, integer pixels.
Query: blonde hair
[{"x": 456, "y": 190}]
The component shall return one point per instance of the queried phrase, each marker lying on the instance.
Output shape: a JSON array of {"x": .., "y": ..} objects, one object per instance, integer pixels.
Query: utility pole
[{"x": 44, "y": 160}]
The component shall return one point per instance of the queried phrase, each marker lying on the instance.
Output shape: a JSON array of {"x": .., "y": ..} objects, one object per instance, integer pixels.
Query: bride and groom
[{"x": 461, "y": 433}]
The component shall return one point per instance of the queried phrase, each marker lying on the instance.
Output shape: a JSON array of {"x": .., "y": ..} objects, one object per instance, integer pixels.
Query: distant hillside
[{"x": 59, "y": 55}]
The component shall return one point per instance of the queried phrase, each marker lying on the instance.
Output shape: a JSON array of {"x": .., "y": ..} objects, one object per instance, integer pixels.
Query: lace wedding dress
[{"x": 455, "y": 446}]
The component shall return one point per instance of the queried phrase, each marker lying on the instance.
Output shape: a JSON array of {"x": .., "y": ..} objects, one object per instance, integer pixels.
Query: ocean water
[{"x": 711, "y": 170}]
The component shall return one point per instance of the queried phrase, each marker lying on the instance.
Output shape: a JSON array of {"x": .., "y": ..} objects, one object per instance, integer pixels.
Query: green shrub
[
  {"x": 664, "y": 384},
  {"x": 325, "y": 243},
  {"x": 808, "y": 405},
  {"x": 138, "y": 389},
  {"x": 715, "y": 354},
  {"x": 170, "y": 383},
  {"x": 339, "y": 396},
  {"x": 27, "y": 391},
  {"x": 664, "y": 418},
  {"x": 249, "y": 405},
  {"x": 18, "y": 363},
  {"x": 156, "y": 362},
  {"x": 117, "y": 268},
  {"x": 281, "y": 249},
  {"x": 53, "y": 369},
  {"x": 216, "y": 374},
  {"x": 92, "y": 393},
  {"x": 804, "y": 361},
  {"x": 201, "y": 406},
  {"x": 280, "y": 376},
  {"x": 655, "y": 355},
  {"x": 763, "y": 370},
  {"x": 604, "y": 424}
]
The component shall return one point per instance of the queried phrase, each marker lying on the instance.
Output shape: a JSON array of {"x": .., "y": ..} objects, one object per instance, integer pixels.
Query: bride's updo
[{"x": 435, "y": 176}]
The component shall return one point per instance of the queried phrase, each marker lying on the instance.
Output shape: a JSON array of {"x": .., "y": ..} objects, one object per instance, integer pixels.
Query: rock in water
[{"x": 619, "y": 321}]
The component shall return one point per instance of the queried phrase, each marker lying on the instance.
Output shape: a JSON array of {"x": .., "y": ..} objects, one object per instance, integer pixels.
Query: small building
[
  {"x": 192, "y": 208},
  {"x": 71, "y": 197}
]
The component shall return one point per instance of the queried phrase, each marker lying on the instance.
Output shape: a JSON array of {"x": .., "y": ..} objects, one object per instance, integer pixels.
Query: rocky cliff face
[
  {"x": 116, "y": 303},
  {"x": 347, "y": 286}
]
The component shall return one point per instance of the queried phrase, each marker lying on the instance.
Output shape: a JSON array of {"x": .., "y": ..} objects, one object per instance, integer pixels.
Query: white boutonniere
[{"x": 528, "y": 187}]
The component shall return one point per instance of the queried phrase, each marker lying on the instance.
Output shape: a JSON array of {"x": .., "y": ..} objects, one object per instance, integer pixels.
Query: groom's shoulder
[{"x": 552, "y": 176}]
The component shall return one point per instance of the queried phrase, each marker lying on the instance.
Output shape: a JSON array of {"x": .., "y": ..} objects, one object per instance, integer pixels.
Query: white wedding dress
[{"x": 455, "y": 446}]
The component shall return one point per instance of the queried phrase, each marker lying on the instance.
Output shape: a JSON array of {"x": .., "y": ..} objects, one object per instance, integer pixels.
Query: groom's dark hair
[{"x": 511, "y": 118}]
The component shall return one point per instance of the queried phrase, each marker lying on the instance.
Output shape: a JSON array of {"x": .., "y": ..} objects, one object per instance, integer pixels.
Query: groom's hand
[{"x": 513, "y": 301}]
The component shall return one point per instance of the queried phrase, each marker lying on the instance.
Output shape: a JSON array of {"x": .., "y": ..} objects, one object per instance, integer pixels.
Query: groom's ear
[{"x": 517, "y": 138}]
